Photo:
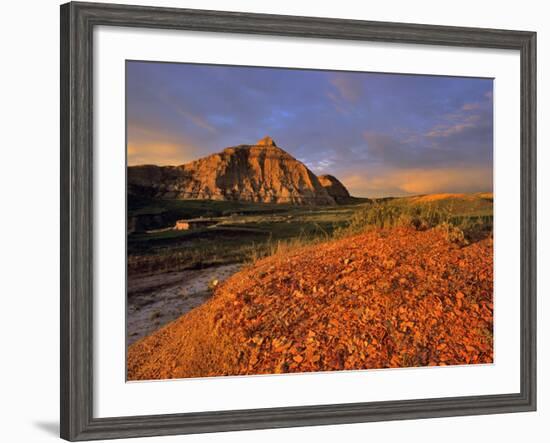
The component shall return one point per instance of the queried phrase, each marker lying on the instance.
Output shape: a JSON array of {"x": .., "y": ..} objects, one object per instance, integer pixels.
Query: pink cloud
[
  {"x": 419, "y": 181},
  {"x": 348, "y": 88},
  {"x": 470, "y": 106}
]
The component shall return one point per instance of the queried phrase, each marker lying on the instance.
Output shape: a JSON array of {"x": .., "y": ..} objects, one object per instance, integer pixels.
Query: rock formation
[
  {"x": 262, "y": 172},
  {"x": 335, "y": 188}
]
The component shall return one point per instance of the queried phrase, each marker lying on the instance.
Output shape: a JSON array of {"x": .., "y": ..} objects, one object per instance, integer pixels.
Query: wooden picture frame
[{"x": 77, "y": 23}]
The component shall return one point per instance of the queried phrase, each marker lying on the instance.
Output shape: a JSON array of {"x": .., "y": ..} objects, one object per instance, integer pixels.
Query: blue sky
[{"x": 380, "y": 134}]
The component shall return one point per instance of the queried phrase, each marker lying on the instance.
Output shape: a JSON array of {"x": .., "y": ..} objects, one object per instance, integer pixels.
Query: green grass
[
  {"x": 477, "y": 206},
  {"x": 201, "y": 208},
  {"x": 247, "y": 231},
  {"x": 473, "y": 218}
]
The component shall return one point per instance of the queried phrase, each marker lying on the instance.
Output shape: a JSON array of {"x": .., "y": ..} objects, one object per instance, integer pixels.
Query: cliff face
[
  {"x": 335, "y": 188},
  {"x": 262, "y": 172}
]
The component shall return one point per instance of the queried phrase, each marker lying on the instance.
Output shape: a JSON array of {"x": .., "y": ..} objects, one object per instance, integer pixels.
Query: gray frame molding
[{"x": 77, "y": 24}]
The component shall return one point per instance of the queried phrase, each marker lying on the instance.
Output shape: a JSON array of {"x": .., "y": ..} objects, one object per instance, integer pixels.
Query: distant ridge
[{"x": 262, "y": 172}]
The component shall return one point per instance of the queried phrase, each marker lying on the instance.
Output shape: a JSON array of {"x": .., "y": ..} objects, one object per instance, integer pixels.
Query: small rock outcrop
[{"x": 335, "y": 188}]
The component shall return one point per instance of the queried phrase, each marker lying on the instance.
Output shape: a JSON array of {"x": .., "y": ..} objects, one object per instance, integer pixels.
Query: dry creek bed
[{"x": 156, "y": 300}]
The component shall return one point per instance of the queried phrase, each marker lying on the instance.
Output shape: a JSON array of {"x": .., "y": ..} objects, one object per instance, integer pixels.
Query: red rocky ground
[{"x": 385, "y": 298}]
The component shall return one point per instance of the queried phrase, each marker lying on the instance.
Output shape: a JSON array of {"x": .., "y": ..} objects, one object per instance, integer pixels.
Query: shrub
[
  {"x": 453, "y": 233},
  {"x": 386, "y": 215}
]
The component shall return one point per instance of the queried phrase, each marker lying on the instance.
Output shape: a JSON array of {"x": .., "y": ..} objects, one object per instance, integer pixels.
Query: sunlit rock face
[{"x": 261, "y": 172}]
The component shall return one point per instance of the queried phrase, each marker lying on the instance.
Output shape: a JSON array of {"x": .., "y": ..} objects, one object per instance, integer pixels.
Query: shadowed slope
[{"x": 335, "y": 188}]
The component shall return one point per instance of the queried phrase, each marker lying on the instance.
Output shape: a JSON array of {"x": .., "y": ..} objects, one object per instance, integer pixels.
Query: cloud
[
  {"x": 338, "y": 103},
  {"x": 193, "y": 117},
  {"x": 470, "y": 115},
  {"x": 447, "y": 130},
  {"x": 347, "y": 86},
  {"x": 150, "y": 146},
  {"x": 461, "y": 137},
  {"x": 470, "y": 106},
  {"x": 348, "y": 124},
  {"x": 346, "y": 92},
  {"x": 320, "y": 166},
  {"x": 161, "y": 154},
  {"x": 414, "y": 181},
  {"x": 402, "y": 150},
  {"x": 386, "y": 147},
  {"x": 199, "y": 121},
  {"x": 445, "y": 180}
]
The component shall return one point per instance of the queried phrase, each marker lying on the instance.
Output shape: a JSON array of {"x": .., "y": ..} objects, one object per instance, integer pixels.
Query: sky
[{"x": 380, "y": 134}]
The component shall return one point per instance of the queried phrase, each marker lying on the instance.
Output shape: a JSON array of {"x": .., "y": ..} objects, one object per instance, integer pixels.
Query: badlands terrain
[{"x": 245, "y": 262}]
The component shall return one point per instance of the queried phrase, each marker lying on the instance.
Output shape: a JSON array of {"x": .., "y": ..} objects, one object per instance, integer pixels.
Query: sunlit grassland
[{"x": 245, "y": 232}]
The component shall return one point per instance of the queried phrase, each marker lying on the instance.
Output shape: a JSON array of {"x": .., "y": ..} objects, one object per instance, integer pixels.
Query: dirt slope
[{"x": 382, "y": 299}]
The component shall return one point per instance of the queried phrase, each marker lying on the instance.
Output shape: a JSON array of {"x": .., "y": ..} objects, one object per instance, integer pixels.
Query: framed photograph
[{"x": 273, "y": 221}]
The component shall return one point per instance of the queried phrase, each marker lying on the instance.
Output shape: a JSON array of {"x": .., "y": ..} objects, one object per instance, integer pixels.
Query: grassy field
[{"x": 245, "y": 232}]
